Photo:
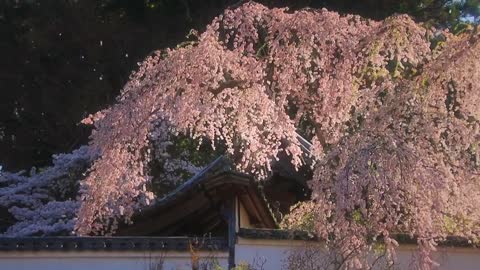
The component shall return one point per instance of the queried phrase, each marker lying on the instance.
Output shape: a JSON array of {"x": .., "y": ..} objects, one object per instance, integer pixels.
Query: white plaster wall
[
  {"x": 243, "y": 219},
  {"x": 270, "y": 253},
  {"x": 101, "y": 260},
  {"x": 448, "y": 258},
  {"x": 274, "y": 252}
]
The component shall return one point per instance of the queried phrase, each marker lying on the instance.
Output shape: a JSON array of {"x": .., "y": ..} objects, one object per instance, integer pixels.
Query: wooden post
[{"x": 232, "y": 231}]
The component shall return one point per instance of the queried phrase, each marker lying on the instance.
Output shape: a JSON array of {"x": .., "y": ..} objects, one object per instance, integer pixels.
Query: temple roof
[{"x": 199, "y": 205}]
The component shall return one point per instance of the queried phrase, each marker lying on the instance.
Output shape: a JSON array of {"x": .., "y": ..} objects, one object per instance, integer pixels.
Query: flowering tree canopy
[{"x": 390, "y": 107}]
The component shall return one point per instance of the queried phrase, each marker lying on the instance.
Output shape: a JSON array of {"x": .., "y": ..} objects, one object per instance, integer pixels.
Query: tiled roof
[
  {"x": 217, "y": 167},
  {"x": 274, "y": 234},
  {"x": 204, "y": 193},
  {"x": 450, "y": 241},
  {"x": 110, "y": 243}
]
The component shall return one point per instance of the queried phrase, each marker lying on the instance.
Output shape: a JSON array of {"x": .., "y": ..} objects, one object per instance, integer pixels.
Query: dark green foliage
[{"x": 62, "y": 60}]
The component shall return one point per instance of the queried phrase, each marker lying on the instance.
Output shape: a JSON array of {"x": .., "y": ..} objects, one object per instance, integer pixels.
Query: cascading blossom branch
[{"x": 390, "y": 107}]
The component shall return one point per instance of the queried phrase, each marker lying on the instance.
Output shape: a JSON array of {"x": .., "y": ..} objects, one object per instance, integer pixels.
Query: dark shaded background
[{"x": 63, "y": 59}]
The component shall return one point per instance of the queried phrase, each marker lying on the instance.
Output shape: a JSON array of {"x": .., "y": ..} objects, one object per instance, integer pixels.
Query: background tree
[{"x": 66, "y": 59}]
